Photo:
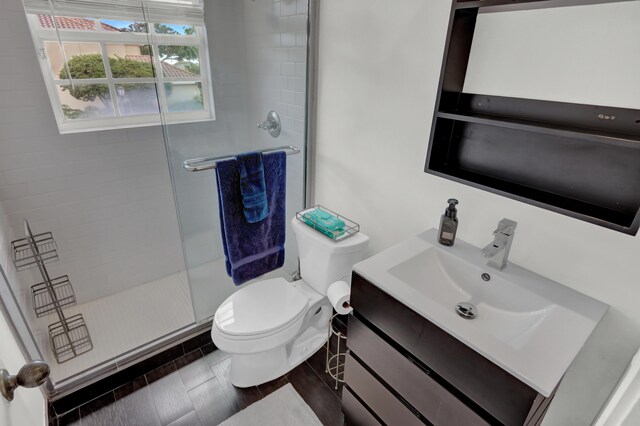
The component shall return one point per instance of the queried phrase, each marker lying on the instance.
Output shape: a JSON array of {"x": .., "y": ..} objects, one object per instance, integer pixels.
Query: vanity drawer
[
  {"x": 388, "y": 408},
  {"x": 356, "y": 414},
  {"x": 509, "y": 400},
  {"x": 426, "y": 395}
]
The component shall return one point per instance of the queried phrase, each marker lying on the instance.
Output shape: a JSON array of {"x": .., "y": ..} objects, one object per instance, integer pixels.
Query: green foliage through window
[
  {"x": 91, "y": 66},
  {"x": 129, "y": 68},
  {"x": 84, "y": 66},
  {"x": 136, "y": 27}
]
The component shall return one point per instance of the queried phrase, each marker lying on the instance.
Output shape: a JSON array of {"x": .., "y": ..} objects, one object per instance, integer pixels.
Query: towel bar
[{"x": 192, "y": 165}]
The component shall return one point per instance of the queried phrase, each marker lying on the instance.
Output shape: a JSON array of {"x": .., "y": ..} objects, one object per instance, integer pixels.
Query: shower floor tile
[{"x": 124, "y": 321}]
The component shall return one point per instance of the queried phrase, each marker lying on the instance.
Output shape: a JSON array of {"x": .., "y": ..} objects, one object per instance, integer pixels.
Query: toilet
[{"x": 271, "y": 326}]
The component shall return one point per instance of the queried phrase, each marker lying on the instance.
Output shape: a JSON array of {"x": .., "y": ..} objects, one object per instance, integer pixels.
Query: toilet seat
[{"x": 260, "y": 309}]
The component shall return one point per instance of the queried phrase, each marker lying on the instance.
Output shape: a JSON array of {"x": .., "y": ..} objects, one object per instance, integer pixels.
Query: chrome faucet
[
  {"x": 498, "y": 250},
  {"x": 271, "y": 124}
]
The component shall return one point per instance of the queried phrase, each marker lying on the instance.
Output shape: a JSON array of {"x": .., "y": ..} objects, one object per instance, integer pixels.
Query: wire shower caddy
[{"x": 69, "y": 336}]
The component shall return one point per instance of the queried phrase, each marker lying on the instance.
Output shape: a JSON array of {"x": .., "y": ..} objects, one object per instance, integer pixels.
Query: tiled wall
[
  {"x": 258, "y": 56},
  {"x": 196, "y": 192},
  {"x": 106, "y": 196},
  {"x": 276, "y": 36}
]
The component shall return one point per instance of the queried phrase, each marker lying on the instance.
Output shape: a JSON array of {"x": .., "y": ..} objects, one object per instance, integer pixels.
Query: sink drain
[{"x": 466, "y": 310}]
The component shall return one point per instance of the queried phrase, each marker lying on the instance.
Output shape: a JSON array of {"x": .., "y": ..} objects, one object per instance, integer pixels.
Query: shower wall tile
[
  {"x": 302, "y": 6},
  {"x": 254, "y": 57},
  {"x": 288, "y": 7},
  {"x": 297, "y": 54},
  {"x": 106, "y": 196},
  {"x": 276, "y": 59},
  {"x": 196, "y": 194}
]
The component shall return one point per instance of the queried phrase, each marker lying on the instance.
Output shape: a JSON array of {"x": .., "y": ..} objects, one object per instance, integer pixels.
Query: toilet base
[{"x": 257, "y": 368}]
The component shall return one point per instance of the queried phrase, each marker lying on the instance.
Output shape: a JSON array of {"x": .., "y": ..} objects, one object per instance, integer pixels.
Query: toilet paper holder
[{"x": 335, "y": 362}]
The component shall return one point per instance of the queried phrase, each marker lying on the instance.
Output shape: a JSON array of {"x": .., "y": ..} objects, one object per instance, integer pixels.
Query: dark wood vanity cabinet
[{"x": 403, "y": 370}]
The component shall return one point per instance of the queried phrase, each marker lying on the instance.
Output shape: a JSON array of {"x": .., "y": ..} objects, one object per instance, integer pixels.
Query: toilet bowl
[{"x": 271, "y": 326}]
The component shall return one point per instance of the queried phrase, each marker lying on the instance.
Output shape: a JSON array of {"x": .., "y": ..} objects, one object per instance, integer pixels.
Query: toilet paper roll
[{"x": 339, "y": 294}]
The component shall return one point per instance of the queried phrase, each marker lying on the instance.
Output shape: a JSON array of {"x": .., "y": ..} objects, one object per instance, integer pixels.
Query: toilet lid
[{"x": 260, "y": 308}]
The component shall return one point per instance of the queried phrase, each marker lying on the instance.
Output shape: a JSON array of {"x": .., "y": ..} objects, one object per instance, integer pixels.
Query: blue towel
[
  {"x": 252, "y": 249},
  {"x": 252, "y": 186}
]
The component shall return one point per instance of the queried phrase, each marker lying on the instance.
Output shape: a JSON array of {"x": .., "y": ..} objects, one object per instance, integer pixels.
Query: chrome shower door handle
[
  {"x": 30, "y": 375},
  {"x": 271, "y": 124}
]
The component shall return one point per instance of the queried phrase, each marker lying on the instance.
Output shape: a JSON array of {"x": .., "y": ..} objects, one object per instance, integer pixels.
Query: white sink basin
[
  {"x": 527, "y": 324},
  {"x": 505, "y": 310}
]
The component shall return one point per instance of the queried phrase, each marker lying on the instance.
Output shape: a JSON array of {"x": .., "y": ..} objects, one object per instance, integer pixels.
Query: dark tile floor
[{"x": 195, "y": 390}]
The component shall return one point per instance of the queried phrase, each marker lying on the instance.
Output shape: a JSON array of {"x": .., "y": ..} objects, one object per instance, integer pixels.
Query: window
[{"x": 111, "y": 67}]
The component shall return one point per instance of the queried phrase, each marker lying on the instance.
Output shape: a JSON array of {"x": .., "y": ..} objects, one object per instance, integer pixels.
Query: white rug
[{"x": 284, "y": 407}]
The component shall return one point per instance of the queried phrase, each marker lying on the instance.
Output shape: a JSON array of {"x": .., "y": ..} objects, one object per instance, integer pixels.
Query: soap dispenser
[{"x": 448, "y": 224}]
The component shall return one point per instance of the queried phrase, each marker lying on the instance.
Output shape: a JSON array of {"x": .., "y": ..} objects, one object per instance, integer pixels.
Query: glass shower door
[
  {"x": 257, "y": 58},
  {"x": 114, "y": 285}
]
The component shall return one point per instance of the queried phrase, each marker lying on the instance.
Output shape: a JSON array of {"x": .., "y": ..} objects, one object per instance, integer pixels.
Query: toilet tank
[{"x": 324, "y": 261}]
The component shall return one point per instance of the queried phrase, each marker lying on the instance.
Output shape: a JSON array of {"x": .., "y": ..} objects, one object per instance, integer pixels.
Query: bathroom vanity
[{"x": 413, "y": 359}]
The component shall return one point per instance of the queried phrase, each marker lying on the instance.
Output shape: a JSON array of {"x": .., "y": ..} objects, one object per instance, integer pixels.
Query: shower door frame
[{"x": 313, "y": 22}]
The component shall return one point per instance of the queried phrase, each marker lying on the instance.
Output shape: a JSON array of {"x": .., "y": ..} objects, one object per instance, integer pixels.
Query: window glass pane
[
  {"x": 124, "y": 26},
  {"x": 175, "y": 29},
  {"x": 137, "y": 99},
  {"x": 180, "y": 61},
  {"x": 85, "y": 60},
  {"x": 184, "y": 96},
  {"x": 67, "y": 23},
  {"x": 130, "y": 61},
  {"x": 85, "y": 101}
]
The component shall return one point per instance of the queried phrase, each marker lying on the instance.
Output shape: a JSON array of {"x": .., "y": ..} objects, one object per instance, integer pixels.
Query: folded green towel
[
  {"x": 324, "y": 222},
  {"x": 324, "y": 219}
]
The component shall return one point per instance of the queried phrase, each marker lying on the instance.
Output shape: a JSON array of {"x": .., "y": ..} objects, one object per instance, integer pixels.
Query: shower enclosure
[{"x": 117, "y": 96}]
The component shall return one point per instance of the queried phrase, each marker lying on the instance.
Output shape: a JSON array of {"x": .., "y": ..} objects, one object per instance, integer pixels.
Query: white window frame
[{"x": 99, "y": 36}]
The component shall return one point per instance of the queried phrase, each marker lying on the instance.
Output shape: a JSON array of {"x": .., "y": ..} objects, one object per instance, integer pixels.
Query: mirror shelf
[{"x": 575, "y": 159}]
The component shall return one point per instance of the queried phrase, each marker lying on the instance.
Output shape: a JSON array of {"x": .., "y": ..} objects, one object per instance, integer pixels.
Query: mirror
[{"x": 587, "y": 54}]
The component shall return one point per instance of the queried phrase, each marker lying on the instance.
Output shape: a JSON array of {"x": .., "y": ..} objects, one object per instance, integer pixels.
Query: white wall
[
  {"x": 623, "y": 408},
  {"x": 580, "y": 54},
  {"x": 378, "y": 75},
  {"x": 106, "y": 196}
]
